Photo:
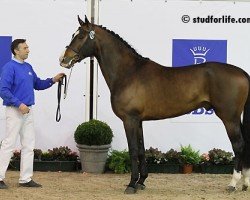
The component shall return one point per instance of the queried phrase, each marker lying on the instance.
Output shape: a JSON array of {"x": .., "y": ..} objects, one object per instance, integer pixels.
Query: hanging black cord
[{"x": 59, "y": 89}]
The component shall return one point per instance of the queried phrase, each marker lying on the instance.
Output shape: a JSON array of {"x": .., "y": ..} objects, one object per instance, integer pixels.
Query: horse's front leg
[
  {"x": 131, "y": 126},
  {"x": 142, "y": 160}
]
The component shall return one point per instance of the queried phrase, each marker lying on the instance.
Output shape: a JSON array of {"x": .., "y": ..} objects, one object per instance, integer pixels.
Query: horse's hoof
[
  {"x": 231, "y": 189},
  {"x": 139, "y": 186},
  {"x": 130, "y": 190},
  {"x": 244, "y": 188}
]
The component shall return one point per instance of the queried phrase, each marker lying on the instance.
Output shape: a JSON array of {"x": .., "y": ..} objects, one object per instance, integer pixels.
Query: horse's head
[{"x": 81, "y": 45}]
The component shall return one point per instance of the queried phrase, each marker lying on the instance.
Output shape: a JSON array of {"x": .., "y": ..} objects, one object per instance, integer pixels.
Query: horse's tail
[{"x": 246, "y": 129}]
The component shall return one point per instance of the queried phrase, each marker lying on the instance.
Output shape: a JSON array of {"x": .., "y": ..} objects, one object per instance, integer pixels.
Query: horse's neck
[{"x": 115, "y": 59}]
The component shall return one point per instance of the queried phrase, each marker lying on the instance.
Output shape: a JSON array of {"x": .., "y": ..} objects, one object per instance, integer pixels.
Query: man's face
[{"x": 22, "y": 51}]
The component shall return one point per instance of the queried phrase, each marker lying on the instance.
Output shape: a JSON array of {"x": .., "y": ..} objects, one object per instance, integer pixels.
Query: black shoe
[
  {"x": 3, "y": 185},
  {"x": 30, "y": 184}
]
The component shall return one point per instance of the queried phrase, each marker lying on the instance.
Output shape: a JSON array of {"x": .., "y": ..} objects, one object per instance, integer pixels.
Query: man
[{"x": 17, "y": 83}]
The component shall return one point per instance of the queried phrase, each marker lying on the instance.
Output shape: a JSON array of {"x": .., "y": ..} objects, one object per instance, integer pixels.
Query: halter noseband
[{"x": 71, "y": 48}]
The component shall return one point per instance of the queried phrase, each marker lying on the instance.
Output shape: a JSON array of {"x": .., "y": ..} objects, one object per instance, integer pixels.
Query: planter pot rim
[{"x": 83, "y": 146}]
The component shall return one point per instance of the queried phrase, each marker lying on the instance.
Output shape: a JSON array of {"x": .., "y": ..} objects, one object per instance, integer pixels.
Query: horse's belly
[{"x": 162, "y": 110}]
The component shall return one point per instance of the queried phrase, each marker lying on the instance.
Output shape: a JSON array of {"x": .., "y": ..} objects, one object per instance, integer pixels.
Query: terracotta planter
[{"x": 187, "y": 169}]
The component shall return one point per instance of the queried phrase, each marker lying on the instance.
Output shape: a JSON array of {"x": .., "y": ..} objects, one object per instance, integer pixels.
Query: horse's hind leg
[
  {"x": 246, "y": 164},
  {"x": 246, "y": 178},
  {"x": 142, "y": 161},
  {"x": 235, "y": 136}
]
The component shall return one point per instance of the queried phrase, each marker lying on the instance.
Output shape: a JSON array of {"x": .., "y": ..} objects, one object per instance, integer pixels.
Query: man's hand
[
  {"x": 58, "y": 77},
  {"x": 24, "y": 109}
]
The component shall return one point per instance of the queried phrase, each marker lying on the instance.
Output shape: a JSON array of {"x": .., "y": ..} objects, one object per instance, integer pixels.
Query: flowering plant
[
  {"x": 218, "y": 156},
  {"x": 16, "y": 155},
  {"x": 204, "y": 158},
  {"x": 155, "y": 156},
  {"x": 172, "y": 156},
  {"x": 62, "y": 153}
]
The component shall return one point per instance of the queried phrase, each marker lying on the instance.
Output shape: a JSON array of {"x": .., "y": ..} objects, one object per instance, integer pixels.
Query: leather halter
[{"x": 91, "y": 32}]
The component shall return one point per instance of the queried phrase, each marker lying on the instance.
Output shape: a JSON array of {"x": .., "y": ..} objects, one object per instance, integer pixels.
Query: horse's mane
[{"x": 123, "y": 41}]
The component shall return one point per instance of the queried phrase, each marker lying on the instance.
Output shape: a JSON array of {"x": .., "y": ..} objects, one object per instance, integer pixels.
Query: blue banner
[
  {"x": 187, "y": 52},
  {"x": 5, "y": 51}
]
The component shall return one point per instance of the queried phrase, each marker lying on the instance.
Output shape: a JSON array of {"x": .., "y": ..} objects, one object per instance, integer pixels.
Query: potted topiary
[
  {"x": 93, "y": 140},
  {"x": 189, "y": 158}
]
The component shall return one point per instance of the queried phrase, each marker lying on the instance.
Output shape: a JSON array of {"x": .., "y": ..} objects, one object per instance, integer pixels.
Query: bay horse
[{"x": 142, "y": 89}]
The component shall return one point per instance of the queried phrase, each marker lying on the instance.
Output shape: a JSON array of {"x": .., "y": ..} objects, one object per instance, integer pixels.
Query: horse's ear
[
  {"x": 80, "y": 21},
  {"x": 86, "y": 20}
]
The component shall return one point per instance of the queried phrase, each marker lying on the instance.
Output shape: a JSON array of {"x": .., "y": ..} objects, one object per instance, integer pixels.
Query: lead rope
[
  {"x": 59, "y": 91},
  {"x": 66, "y": 86}
]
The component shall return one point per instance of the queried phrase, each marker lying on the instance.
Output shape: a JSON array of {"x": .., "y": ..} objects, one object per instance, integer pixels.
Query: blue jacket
[{"x": 17, "y": 84}]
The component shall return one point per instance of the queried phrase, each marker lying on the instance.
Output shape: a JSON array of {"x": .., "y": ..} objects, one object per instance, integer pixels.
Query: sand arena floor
[{"x": 71, "y": 186}]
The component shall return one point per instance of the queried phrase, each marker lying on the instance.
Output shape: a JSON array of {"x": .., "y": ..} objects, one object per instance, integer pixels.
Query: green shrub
[
  {"x": 189, "y": 155},
  {"x": 119, "y": 161},
  {"x": 47, "y": 156},
  {"x": 93, "y": 132}
]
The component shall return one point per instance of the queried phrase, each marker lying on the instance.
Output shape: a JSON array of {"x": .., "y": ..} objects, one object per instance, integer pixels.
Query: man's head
[{"x": 20, "y": 49}]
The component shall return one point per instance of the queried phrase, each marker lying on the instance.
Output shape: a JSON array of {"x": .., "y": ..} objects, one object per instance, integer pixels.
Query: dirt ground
[{"x": 71, "y": 186}]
